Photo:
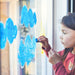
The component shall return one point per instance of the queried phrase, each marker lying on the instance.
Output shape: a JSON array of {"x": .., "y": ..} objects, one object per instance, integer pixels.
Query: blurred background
[{"x": 49, "y": 14}]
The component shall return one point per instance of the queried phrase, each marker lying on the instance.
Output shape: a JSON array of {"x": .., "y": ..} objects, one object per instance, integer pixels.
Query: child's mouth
[{"x": 62, "y": 42}]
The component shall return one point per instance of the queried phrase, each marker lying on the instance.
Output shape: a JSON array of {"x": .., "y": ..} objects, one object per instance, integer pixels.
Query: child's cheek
[{"x": 66, "y": 40}]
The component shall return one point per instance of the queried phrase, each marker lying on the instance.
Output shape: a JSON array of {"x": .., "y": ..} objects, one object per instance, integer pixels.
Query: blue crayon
[{"x": 37, "y": 40}]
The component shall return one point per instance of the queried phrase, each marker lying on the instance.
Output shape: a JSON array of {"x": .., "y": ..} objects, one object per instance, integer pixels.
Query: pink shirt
[{"x": 64, "y": 68}]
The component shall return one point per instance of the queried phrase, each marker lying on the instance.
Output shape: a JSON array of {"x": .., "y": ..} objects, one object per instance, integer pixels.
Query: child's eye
[{"x": 64, "y": 32}]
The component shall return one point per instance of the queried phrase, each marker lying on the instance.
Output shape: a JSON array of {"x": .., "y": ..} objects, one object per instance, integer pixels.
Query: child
[{"x": 63, "y": 61}]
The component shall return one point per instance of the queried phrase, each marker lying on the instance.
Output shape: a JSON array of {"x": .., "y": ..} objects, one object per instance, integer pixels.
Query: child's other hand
[
  {"x": 54, "y": 57},
  {"x": 45, "y": 44}
]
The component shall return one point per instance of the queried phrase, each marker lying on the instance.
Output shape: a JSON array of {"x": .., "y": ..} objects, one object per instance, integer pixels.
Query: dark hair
[
  {"x": 66, "y": 51},
  {"x": 69, "y": 21}
]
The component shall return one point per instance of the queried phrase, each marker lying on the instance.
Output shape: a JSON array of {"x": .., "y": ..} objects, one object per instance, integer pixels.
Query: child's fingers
[
  {"x": 52, "y": 52},
  {"x": 42, "y": 38}
]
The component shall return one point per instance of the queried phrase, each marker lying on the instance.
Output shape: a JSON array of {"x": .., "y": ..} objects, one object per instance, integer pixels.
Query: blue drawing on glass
[
  {"x": 31, "y": 18},
  {"x": 24, "y": 16},
  {"x": 27, "y": 50},
  {"x": 28, "y": 17},
  {"x": 34, "y": 16},
  {"x": 2, "y": 36},
  {"x": 27, "y": 47},
  {"x": 21, "y": 54},
  {"x": 30, "y": 43},
  {"x": 11, "y": 30}
]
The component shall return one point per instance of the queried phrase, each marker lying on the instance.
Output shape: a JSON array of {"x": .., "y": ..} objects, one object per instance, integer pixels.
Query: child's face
[{"x": 67, "y": 37}]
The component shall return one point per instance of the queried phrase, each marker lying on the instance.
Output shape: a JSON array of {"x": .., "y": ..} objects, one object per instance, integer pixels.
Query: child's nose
[{"x": 61, "y": 37}]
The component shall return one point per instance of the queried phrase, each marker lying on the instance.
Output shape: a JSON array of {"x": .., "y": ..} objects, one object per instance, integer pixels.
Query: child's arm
[
  {"x": 46, "y": 51},
  {"x": 57, "y": 62},
  {"x": 59, "y": 67}
]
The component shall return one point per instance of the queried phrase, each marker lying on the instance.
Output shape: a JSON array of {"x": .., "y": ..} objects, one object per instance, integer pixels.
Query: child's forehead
[{"x": 64, "y": 27}]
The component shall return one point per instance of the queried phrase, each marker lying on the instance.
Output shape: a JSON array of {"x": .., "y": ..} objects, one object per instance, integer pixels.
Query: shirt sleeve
[
  {"x": 46, "y": 51},
  {"x": 60, "y": 69}
]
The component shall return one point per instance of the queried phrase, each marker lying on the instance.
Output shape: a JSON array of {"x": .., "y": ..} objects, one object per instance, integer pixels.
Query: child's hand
[
  {"x": 54, "y": 57},
  {"x": 45, "y": 44}
]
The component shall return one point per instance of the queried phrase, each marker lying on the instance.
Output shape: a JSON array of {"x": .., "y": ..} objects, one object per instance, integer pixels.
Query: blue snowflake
[
  {"x": 11, "y": 30},
  {"x": 2, "y": 36},
  {"x": 27, "y": 50},
  {"x": 28, "y": 17}
]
